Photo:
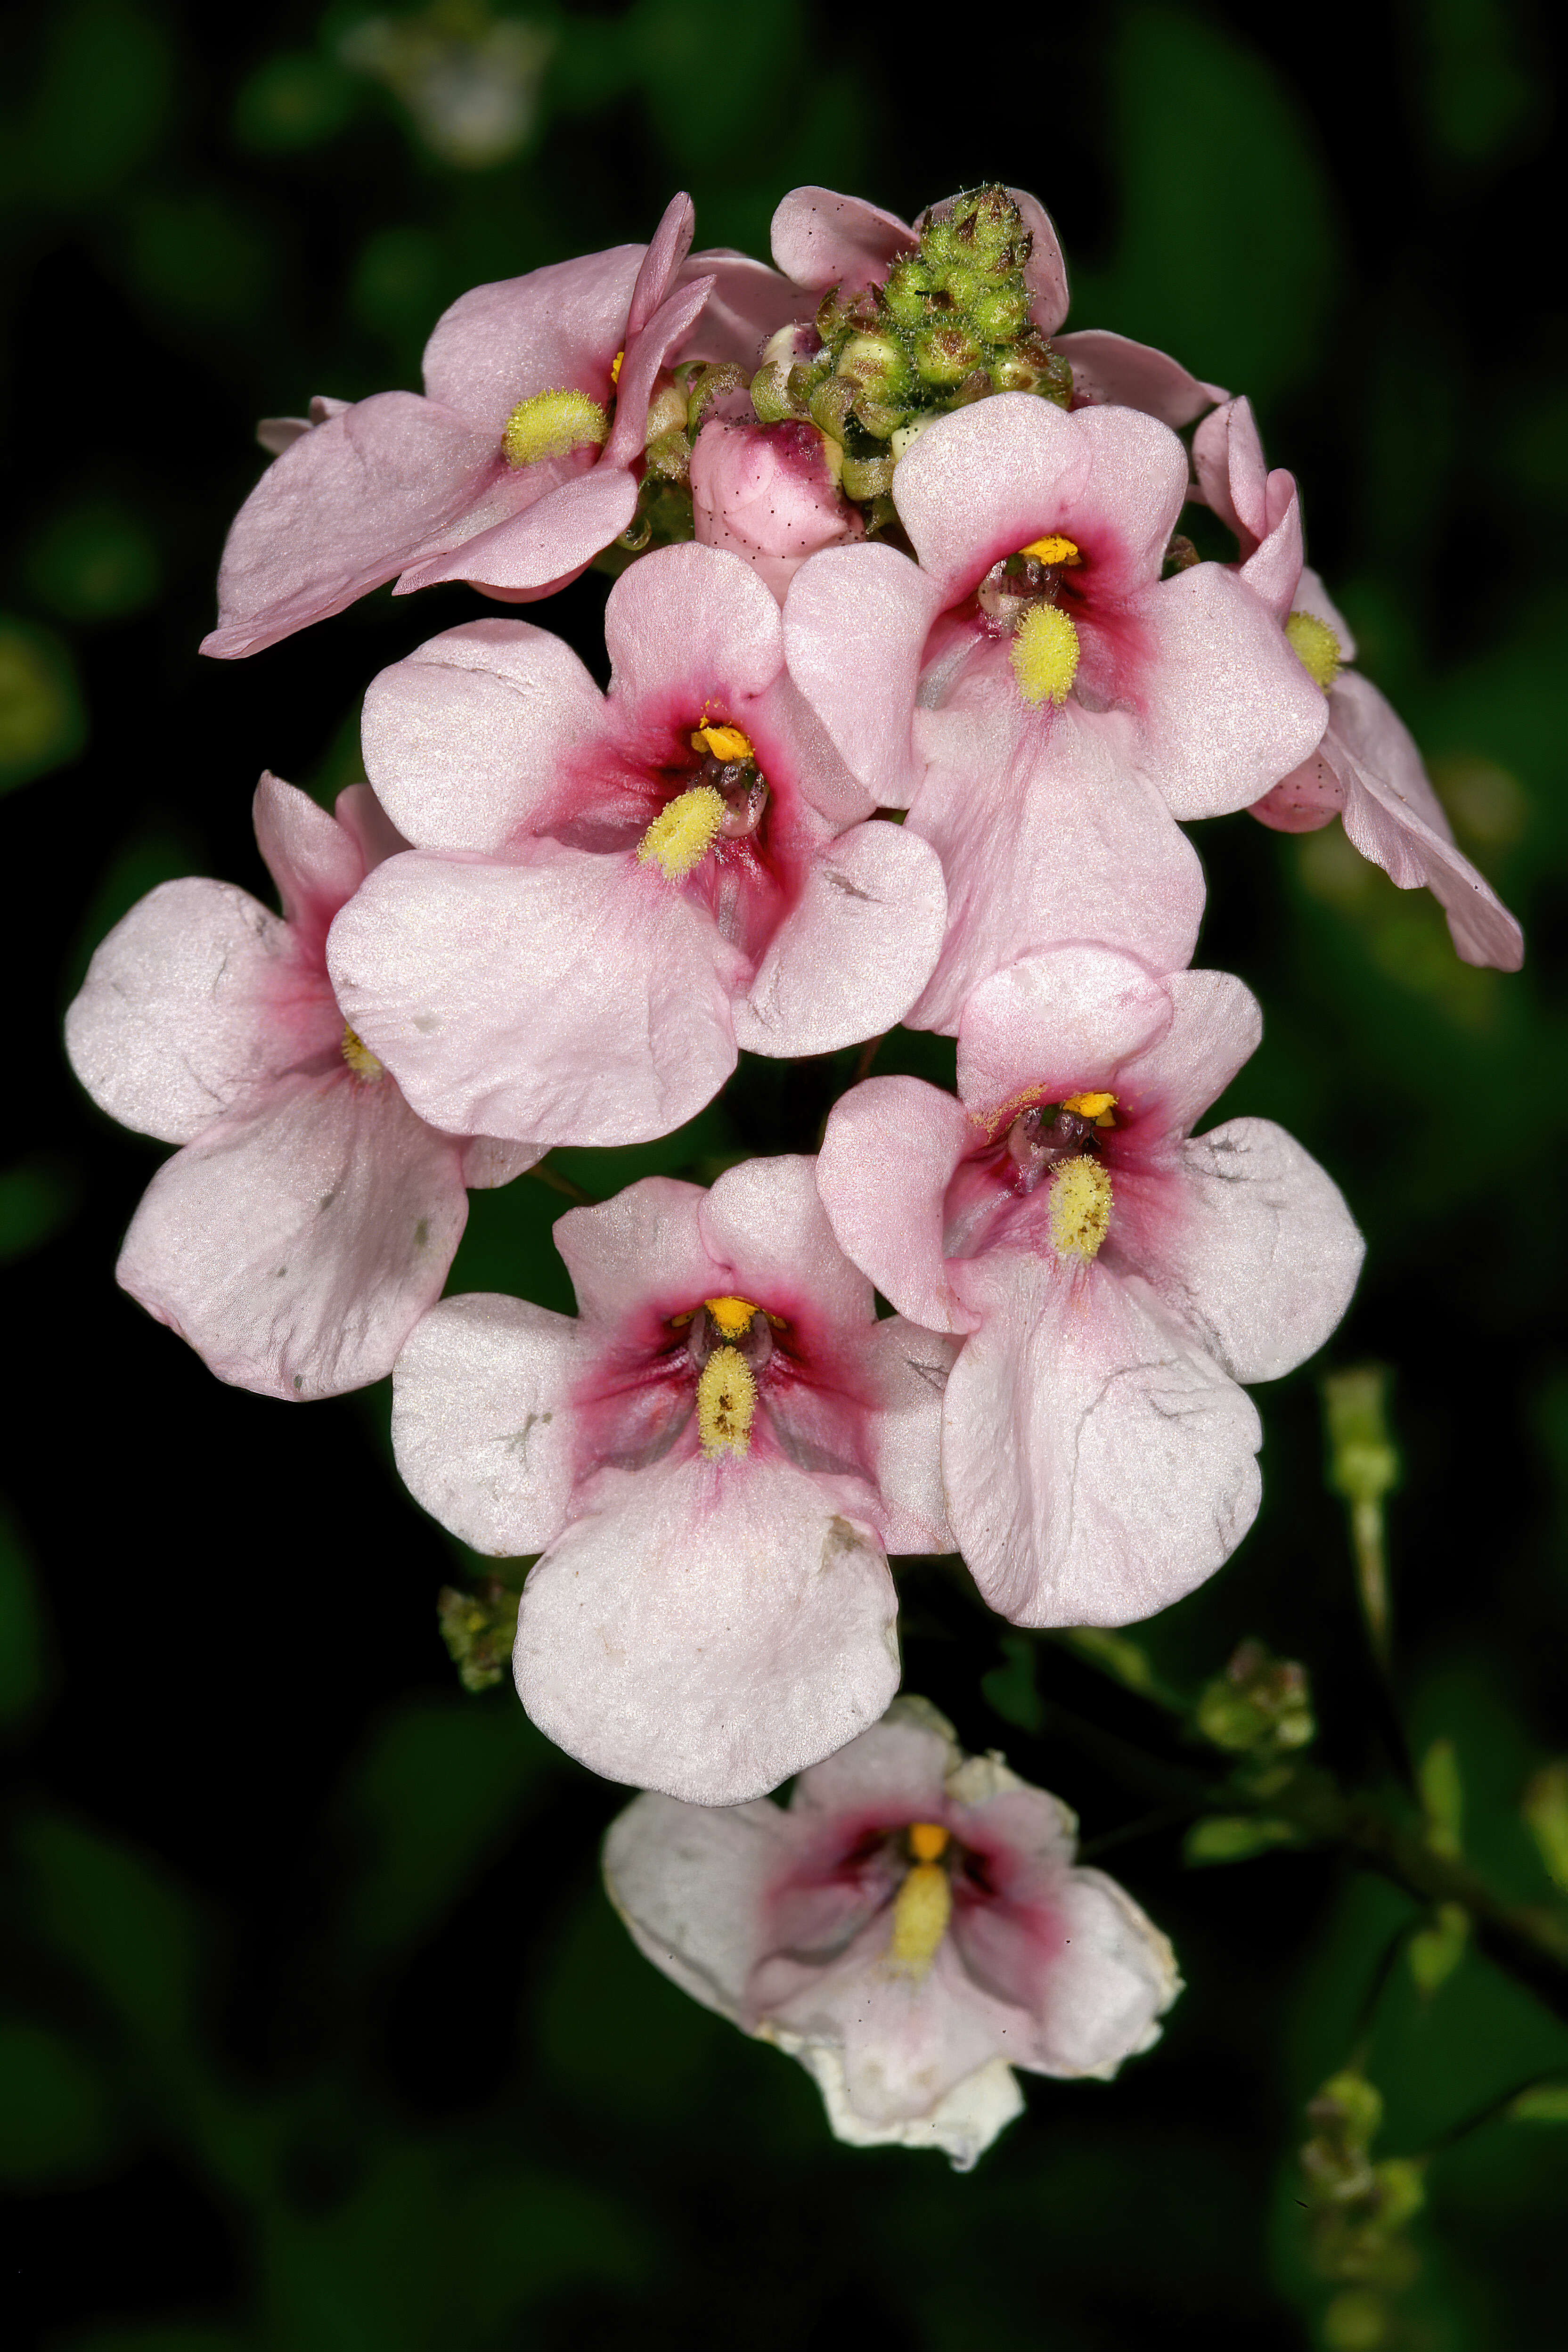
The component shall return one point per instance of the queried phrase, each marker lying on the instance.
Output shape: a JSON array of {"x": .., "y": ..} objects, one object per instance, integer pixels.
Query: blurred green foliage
[{"x": 359, "y": 2057}]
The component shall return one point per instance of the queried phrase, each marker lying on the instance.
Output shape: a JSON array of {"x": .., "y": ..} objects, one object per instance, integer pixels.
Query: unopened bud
[
  {"x": 875, "y": 365},
  {"x": 907, "y": 291},
  {"x": 1443, "y": 1799},
  {"x": 668, "y": 457},
  {"x": 944, "y": 355},
  {"x": 666, "y": 413},
  {"x": 479, "y": 1629},
  {"x": 1362, "y": 1463},
  {"x": 1234, "y": 1837},
  {"x": 1000, "y": 313},
  {"x": 1261, "y": 1704},
  {"x": 829, "y": 404},
  {"x": 770, "y": 394},
  {"x": 1436, "y": 1950},
  {"x": 866, "y": 477}
]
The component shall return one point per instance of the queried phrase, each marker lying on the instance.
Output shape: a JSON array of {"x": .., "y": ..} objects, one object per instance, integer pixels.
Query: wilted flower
[
  {"x": 310, "y": 1217},
  {"x": 1116, "y": 1276},
  {"x": 912, "y": 1929},
  {"x": 714, "y": 1459}
]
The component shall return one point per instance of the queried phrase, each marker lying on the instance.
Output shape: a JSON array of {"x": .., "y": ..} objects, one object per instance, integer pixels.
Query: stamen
[
  {"x": 551, "y": 424},
  {"x": 928, "y": 1841},
  {"x": 1080, "y": 1207},
  {"x": 680, "y": 836},
  {"x": 359, "y": 1057},
  {"x": 921, "y": 1909},
  {"x": 724, "y": 742},
  {"x": 1098, "y": 1107},
  {"x": 1315, "y": 646},
  {"x": 615, "y": 367},
  {"x": 726, "y": 1400},
  {"x": 733, "y": 1316},
  {"x": 1053, "y": 549},
  {"x": 1044, "y": 654}
]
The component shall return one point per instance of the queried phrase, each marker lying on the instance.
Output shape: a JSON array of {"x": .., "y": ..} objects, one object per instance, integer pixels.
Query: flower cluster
[{"x": 914, "y": 676}]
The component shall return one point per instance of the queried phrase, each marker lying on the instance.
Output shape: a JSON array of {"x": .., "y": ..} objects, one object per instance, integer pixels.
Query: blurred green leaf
[
  {"x": 53, "y": 2117},
  {"x": 527, "y": 2234},
  {"x": 1480, "y": 95},
  {"x": 1238, "y": 288},
  {"x": 1010, "y": 1690},
  {"x": 293, "y": 101},
  {"x": 94, "y": 561},
  {"x": 1234, "y": 1837},
  {"x": 200, "y": 257},
  {"x": 22, "y": 1653},
  {"x": 160, "y": 2337},
  {"x": 619, "y": 2032},
  {"x": 36, "y": 1197},
  {"x": 119, "y": 1922},
  {"x": 1436, "y": 1950},
  {"x": 438, "y": 1789},
  {"x": 43, "y": 722},
  {"x": 102, "y": 101},
  {"x": 1543, "y": 2103}
]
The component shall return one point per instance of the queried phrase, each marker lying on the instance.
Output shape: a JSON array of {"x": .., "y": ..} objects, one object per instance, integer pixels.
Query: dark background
[{"x": 320, "y": 2033}]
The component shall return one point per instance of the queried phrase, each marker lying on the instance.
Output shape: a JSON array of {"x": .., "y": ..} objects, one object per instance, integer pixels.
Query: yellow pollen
[
  {"x": 551, "y": 424},
  {"x": 921, "y": 1909},
  {"x": 679, "y": 837},
  {"x": 1053, "y": 549},
  {"x": 1315, "y": 646},
  {"x": 358, "y": 1055},
  {"x": 734, "y": 1316},
  {"x": 726, "y": 1400},
  {"x": 928, "y": 1841},
  {"x": 1098, "y": 1107},
  {"x": 1080, "y": 1207},
  {"x": 1044, "y": 654},
  {"x": 724, "y": 742},
  {"x": 615, "y": 367}
]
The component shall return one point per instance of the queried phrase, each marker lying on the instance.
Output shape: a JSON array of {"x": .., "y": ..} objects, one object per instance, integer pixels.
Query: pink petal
[
  {"x": 197, "y": 996},
  {"x": 888, "y": 1154},
  {"x": 296, "y": 1242},
  {"x": 691, "y": 622},
  {"x": 556, "y": 330},
  {"x": 572, "y": 997},
  {"x": 646, "y": 352},
  {"x": 1227, "y": 709},
  {"x": 344, "y": 509},
  {"x": 1069, "y": 845},
  {"x": 990, "y": 479},
  {"x": 820, "y": 239},
  {"x": 642, "y": 1248},
  {"x": 764, "y": 1223},
  {"x": 490, "y": 1161},
  {"x": 749, "y": 304},
  {"x": 670, "y": 244},
  {"x": 1108, "y": 368},
  {"x": 1044, "y": 272},
  {"x": 856, "y": 625},
  {"x": 1395, "y": 818},
  {"x": 483, "y": 1426},
  {"x": 315, "y": 862},
  {"x": 1113, "y": 1978},
  {"x": 708, "y": 1629},
  {"x": 1273, "y": 570},
  {"x": 530, "y": 554},
  {"x": 903, "y": 1371},
  {"x": 688, "y": 1880},
  {"x": 905, "y": 2044},
  {"x": 897, "y": 1769},
  {"x": 360, "y": 813},
  {"x": 464, "y": 740},
  {"x": 1253, "y": 1249},
  {"x": 856, "y": 949},
  {"x": 1097, "y": 1466},
  {"x": 1309, "y": 798},
  {"x": 1232, "y": 472},
  {"x": 1071, "y": 1016},
  {"x": 764, "y": 493},
  {"x": 1216, "y": 1027}
]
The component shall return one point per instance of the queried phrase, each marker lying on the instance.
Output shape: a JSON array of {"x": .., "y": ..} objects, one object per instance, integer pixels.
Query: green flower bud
[
  {"x": 867, "y": 477},
  {"x": 479, "y": 1629},
  {"x": 989, "y": 219},
  {"x": 770, "y": 394},
  {"x": 906, "y": 292},
  {"x": 1546, "y": 1817},
  {"x": 1436, "y": 1951},
  {"x": 875, "y": 364},
  {"x": 999, "y": 313},
  {"x": 946, "y": 354},
  {"x": 961, "y": 284},
  {"x": 877, "y": 418},
  {"x": 829, "y": 406},
  {"x": 1259, "y": 1705},
  {"x": 669, "y": 456},
  {"x": 1443, "y": 1799},
  {"x": 1233, "y": 1837}
]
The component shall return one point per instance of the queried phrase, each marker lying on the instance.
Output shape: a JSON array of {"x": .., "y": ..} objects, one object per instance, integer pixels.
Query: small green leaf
[
  {"x": 1543, "y": 2103},
  {"x": 1234, "y": 1837}
]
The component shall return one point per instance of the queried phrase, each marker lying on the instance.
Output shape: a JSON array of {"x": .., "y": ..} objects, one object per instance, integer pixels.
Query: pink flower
[
  {"x": 1115, "y": 1274},
  {"x": 912, "y": 1929},
  {"x": 310, "y": 1217},
  {"x": 1033, "y": 691},
  {"x": 511, "y": 472},
  {"x": 822, "y": 239},
  {"x": 713, "y": 1459},
  {"x": 1365, "y": 769},
  {"x": 614, "y": 892},
  {"x": 764, "y": 492}
]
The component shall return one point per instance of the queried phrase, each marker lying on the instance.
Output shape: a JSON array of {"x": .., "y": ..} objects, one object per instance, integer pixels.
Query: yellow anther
[
  {"x": 1315, "y": 646},
  {"x": 358, "y": 1055},
  {"x": 734, "y": 1316},
  {"x": 1044, "y": 654},
  {"x": 928, "y": 1841},
  {"x": 726, "y": 1400},
  {"x": 679, "y": 837},
  {"x": 1098, "y": 1107},
  {"x": 1080, "y": 1207},
  {"x": 551, "y": 424},
  {"x": 615, "y": 367},
  {"x": 921, "y": 1909},
  {"x": 724, "y": 742},
  {"x": 1053, "y": 549}
]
